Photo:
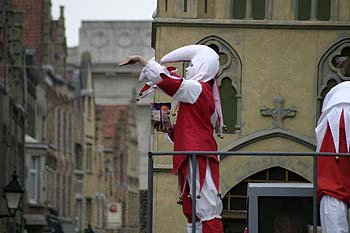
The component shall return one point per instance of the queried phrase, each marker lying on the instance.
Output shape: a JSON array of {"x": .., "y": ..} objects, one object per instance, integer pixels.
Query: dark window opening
[
  {"x": 258, "y": 9},
  {"x": 323, "y": 10},
  {"x": 238, "y": 9},
  {"x": 214, "y": 47},
  {"x": 345, "y": 51},
  {"x": 78, "y": 157},
  {"x": 229, "y": 104},
  {"x": 304, "y": 9},
  {"x": 345, "y": 64},
  {"x": 236, "y": 198}
]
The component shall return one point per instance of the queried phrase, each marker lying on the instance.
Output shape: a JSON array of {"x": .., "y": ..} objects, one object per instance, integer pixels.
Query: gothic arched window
[
  {"x": 329, "y": 74},
  {"x": 229, "y": 81}
]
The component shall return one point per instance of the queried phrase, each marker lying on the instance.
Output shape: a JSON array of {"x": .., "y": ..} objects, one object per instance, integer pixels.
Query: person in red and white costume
[
  {"x": 333, "y": 172},
  {"x": 199, "y": 108}
]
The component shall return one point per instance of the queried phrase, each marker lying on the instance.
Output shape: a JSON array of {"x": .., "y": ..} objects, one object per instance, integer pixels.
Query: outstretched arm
[{"x": 134, "y": 59}]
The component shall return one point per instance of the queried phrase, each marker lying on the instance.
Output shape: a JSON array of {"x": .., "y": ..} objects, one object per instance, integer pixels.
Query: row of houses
[{"x": 78, "y": 171}]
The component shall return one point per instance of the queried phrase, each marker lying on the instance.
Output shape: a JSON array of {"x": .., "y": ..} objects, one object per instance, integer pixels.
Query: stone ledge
[{"x": 266, "y": 24}]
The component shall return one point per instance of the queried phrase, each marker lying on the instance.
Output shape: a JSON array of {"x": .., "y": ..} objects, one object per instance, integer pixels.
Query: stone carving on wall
[
  {"x": 125, "y": 39},
  {"x": 99, "y": 39},
  {"x": 278, "y": 113}
]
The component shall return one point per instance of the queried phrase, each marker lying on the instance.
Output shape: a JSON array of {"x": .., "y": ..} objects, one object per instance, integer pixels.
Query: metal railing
[{"x": 193, "y": 155}]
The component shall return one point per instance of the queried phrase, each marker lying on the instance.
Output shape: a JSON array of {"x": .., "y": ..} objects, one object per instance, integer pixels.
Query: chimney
[{"x": 61, "y": 12}]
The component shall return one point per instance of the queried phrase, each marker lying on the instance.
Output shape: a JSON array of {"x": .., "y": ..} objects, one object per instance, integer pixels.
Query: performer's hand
[{"x": 133, "y": 59}]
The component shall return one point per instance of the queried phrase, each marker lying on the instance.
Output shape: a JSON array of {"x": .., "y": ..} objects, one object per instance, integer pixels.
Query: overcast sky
[{"x": 77, "y": 10}]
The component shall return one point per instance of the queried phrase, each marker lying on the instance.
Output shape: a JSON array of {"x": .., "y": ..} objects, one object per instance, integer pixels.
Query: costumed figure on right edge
[{"x": 333, "y": 172}]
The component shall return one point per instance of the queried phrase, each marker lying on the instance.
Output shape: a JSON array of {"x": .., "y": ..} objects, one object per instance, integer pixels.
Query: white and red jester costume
[
  {"x": 198, "y": 110},
  {"x": 333, "y": 173}
]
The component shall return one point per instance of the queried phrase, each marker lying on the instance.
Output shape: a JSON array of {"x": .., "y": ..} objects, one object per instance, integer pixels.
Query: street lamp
[{"x": 13, "y": 196}]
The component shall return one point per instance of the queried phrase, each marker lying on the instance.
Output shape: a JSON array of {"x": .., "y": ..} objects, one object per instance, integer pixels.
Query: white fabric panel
[
  {"x": 198, "y": 227},
  {"x": 320, "y": 131},
  {"x": 333, "y": 121},
  {"x": 347, "y": 124},
  {"x": 336, "y": 100},
  {"x": 209, "y": 205},
  {"x": 332, "y": 117},
  {"x": 337, "y": 95},
  {"x": 188, "y": 92},
  {"x": 333, "y": 214}
]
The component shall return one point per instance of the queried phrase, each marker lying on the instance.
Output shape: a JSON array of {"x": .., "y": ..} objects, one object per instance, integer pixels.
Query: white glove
[{"x": 151, "y": 71}]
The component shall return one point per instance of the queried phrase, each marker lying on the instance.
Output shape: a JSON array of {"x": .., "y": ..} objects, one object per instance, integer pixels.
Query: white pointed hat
[{"x": 205, "y": 60}]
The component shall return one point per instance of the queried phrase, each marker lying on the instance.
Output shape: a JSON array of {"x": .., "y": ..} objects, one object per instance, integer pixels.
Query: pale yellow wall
[
  {"x": 282, "y": 10},
  {"x": 274, "y": 63},
  {"x": 344, "y": 10},
  {"x": 167, "y": 214}
]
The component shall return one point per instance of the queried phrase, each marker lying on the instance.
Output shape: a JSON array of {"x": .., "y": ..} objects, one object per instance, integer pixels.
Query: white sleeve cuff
[
  {"x": 152, "y": 71},
  {"x": 188, "y": 92}
]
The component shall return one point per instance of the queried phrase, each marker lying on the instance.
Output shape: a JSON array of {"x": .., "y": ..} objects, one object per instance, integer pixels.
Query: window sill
[
  {"x": 78, "y": 172},
  {"x": 89, "y": 172},
  {"x": 34, "y": 204}
]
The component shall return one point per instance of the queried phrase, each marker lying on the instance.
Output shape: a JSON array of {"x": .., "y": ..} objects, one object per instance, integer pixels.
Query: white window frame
[{"x": 34, "y": 171}]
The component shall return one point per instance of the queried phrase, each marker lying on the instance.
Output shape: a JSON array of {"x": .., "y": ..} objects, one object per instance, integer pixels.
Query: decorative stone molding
[
  {"x": 99, "y": 39},
  {"x": 270, "y": 133},
  {"x": 278, "y": 113}
]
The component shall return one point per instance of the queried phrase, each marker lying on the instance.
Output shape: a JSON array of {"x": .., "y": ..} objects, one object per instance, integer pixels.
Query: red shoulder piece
[{"x": 169, "y": 85}]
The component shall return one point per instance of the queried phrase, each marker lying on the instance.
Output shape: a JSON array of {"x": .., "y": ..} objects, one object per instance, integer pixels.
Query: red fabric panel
[
  {"x": 145, "y": 88},
  {"x": 334, "y": 175},
  {"x": 169, "y": 85},
  {"x": 213, "y": 226},
  {"x": 202, "y": 166},
  {"x": 193, "y": 130}
]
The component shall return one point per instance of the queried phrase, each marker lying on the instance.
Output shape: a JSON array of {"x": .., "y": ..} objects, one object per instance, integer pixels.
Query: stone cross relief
[{"x": 278, "y": 113}]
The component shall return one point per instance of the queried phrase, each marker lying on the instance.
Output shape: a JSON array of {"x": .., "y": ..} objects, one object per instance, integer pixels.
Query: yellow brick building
[{"x": 276, "y": 60}]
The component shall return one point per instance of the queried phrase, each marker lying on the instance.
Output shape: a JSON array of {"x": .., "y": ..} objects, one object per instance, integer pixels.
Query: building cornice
[
  {"x": 266, "y": 24},
  {"x": 253, "y": 24}
]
